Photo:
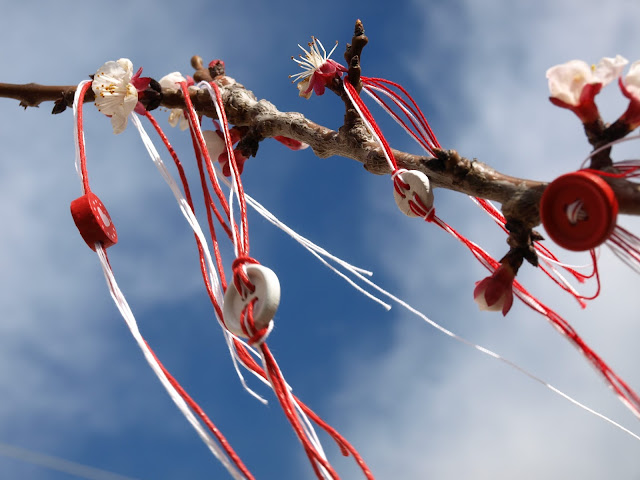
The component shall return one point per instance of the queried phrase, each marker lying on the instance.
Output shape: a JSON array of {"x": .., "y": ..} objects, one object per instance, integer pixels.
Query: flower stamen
[{"x": 318, "y": 70}]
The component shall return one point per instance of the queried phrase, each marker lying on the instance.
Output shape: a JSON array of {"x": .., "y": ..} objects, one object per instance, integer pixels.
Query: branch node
[
  {"x": 354, "y": 50},
  {"x": 216, "y": 69}
]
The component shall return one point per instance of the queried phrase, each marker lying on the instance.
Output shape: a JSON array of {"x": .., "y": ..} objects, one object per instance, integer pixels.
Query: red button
[
  {"x": 597, "y": 219},
  {"x": 93, "y": 221}
]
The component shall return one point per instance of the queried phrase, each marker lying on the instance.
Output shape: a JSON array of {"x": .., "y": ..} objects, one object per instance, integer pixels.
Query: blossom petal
[
  {"x": 508, "y": 302},
  {"x": 215, "y": 144},
  {"x": 116, "y": 97},
  {"x": 317, "y": 69},
  {"x": 172, "y": 80},
  {"x": 567, "y": 80},
  {"x": 609, "y": 69},
  {"x": 118, "y": 123},
  {"x": 632, "y": 82},
  {"x": 177, "y": 118},
  {"x": 305, "y": 89},
  {"x": 481, "y": 299}
]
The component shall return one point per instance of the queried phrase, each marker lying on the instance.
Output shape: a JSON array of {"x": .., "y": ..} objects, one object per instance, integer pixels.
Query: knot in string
[
  {"x": 420, "y": 209},
  {"x": 430, "y": 215},
  {"x": 575, "y": 212},
  {"x": 240, "y": 278},
  {"x": 412, "y": 193},
  {"x": 257, "y": 336},
  {"x": 398, "y": 184}
]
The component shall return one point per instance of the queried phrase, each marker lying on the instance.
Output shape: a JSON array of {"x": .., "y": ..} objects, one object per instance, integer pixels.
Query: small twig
[{"x": 353, "y": 53}]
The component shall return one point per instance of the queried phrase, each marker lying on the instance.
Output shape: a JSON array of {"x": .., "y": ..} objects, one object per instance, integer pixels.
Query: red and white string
[
  {"x": 418, "y": 128},
  {"x": 187, "y": 406},
  {"x": 298, "y": 413},
  {"x": 363, "y": 276},
  {"x": 622, "y": 390}
]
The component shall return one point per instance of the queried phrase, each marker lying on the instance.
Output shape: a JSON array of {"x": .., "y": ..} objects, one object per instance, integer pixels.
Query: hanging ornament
[
  {"x": 579, "y": 210},
  {"x": 93, "y": 221}
]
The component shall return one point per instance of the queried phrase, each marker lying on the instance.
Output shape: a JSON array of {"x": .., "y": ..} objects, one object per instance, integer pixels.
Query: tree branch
[{"x": 520, "y": 198}]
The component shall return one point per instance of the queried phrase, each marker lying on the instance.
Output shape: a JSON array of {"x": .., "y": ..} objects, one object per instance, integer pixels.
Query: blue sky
[{"x": 415, "y": 403}]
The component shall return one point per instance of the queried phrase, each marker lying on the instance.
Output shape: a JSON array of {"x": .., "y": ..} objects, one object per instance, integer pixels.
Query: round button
[
  {"x": 579, "y": 210},
  {"x": 93, "y": 221},
  {"x": 267, "y": 293},
  {"x": 416, "y": 184}
]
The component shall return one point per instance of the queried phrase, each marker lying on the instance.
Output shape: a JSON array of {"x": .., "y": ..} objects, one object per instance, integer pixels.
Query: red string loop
[
  {"x": 240, "y": 278},
  {"x": 256, "y": 336}
]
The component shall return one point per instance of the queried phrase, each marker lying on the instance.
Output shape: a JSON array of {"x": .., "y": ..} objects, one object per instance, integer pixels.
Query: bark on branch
[{"x": 520, "y": 198}]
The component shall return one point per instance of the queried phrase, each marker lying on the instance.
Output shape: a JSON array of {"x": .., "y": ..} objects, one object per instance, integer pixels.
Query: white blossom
[
  {"x": 115, "y": 95},
  {"x": 215, "y": 144},
  {"x": 176, "y": 115},
  {"x": 632, "y": 80},
  {"x": 566, "y": 81},
  {"x": 318, "y": 70}
]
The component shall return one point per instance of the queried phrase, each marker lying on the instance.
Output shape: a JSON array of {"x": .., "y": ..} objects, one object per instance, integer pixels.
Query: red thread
[
  {"x": 369, "y": 118},
  {"x": 187, "y": 190},
  {"x": 234, "y": 166},
  {"x": 83, "y": 157},
  {"x": 272, "y": 372},
  {"x": 249, "y": 328},
  {"x": 202, "y": 148},
  {"x": 626, "y": 246},
  {"x": 240, "y": 278},
  {"x": 429, "y": 141},
  {"x": 626, "y": 394},
  {"x": 544, "y": 251},
  {"x": 627, "y": 171},
  {"x": 275, "y": 377},
  {"x": 224, "y": 443},
  {"x": 233, "y": 456}
]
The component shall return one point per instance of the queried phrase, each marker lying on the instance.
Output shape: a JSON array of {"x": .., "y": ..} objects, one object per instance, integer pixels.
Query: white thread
[
  {"x": 550, "y": 260},
  {"x": 234, "y": 180},
  {"x": 317, "y": 251},
  {"x": 427, "y": 216},
  {"x": 626, "y": 247},
  {"x": 130, "y": 320},
  {"x": 184, "y": 206},
  {"x": 309, "y": 431},
  {"x": 533, "y": 303},
  {"x": 398, "y": 172},
  {"x": 575, "y": 213},
  {"x": 76, "y": 99},
  {"x": 304, "y": 242},
  {"x": 59, "y": 464},
  {"x": 195, "y": 226},
  {"x": 229, "y": 337},
  {"x": 608, "y": 145}
]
